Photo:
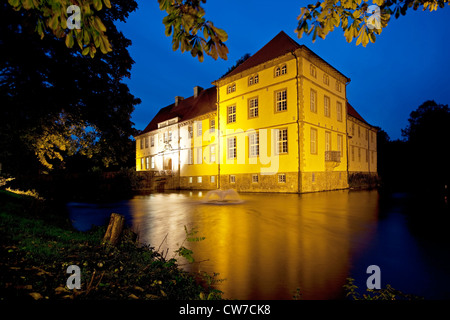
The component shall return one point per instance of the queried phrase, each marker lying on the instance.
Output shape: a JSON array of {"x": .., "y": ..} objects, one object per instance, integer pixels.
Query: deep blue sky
[{"x": 407, "y": 65}]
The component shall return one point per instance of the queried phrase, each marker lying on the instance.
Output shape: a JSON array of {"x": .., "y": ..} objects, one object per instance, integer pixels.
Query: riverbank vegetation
[{"x": 38, "y": 245}]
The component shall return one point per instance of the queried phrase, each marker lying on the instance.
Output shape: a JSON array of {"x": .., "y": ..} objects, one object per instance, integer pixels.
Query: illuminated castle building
[{"x": 278, "y": 122}]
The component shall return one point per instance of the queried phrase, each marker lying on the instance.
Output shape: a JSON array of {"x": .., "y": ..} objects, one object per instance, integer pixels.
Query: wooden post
[{"x": 114, "y": 230}]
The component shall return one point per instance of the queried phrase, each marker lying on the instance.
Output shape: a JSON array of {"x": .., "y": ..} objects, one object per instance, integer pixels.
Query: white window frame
[
  {"x": 253, "y": 107},
  {"x": 281, "y": 140},
  {"x": 231, "y": 148},
  {"x": 313, "y": 141},
  {"x": 326, "y": 106},
  {"x": 313, "y": 101},
  {"x": 281, "y": 178},
  {"x": 281, "y": 100},
  {"x": 339, "y": 111},
  {"x": 253, "y": 144},
  {"x": 231, "y": 114}
]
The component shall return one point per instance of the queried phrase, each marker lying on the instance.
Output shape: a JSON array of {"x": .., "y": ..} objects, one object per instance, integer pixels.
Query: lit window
[
  {"x": 253, "y": 143},
  {"x": 147, "y": 163},
  {"x": 199, "y": 179},
  {"x": 190, "y": 156},
  {"x": 232, "y": 178},
  {"x": 190, "y": 179},
  {"x": 250, "y": 81},
  {"x": 255, "y": 178},
  {"x": 283, "y": 69},
  {"x": 231, "y": 88},
  {"x": 313, "y": 105},
  {"x": 277, "y": 71},
  {"x": 191, "y": 131},
  {"x": 199, "y": 128},
  {"x": 152, "y": 141},
  {"x": 212, "y": 179},
  {"x": 339, "y": 111},
  {"x": 212, "y": 124},
  {"x": 326, "y": 105},
  {"x": 282, "y": 178},
  {"x": 282, "y": 141},
  {"x": 170, "y": 135},
  {"x": 153, "y": 163},
  {"x": 199, "y": 155},
  {"x": 142, "y": 164},
  {"x": 253, "y": 107},
  {"x": 313, "y": 71},
  {"x": 281, "y": 100},
  {"x": 231, "y": 148},
  {"x": 256, "y": 79},
  {"x": 212, "y": 154},
  {"x": 231, "y": 114},
  {"x": 313, "y": 138}
]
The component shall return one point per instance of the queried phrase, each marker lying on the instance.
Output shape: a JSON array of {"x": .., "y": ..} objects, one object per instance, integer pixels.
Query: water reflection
[
  {"x": 269, "y": 245},
  {"x": 272, "y": 244}
]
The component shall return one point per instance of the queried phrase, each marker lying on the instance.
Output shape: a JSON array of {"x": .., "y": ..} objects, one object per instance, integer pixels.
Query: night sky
[{"x": 407, "y": 65}]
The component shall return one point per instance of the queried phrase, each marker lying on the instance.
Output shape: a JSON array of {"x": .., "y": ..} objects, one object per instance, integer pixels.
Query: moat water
[{"x": 270, "y": 245}]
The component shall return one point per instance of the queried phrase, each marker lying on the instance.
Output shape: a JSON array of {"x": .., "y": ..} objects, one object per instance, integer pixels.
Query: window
[
  {"x": 152, "y": 141},
  {"x": 147, "y": 163},
  {"x": 212, "y": 154},
  {"x": 191, "y": 131},
  {"x": 338, "y": 86},
  {"x": 326, "y": 106},
  {"x": 253, "y": 107},
  {"x": 313, "y": 138},
  {"x": 199, "y": 179},
  {"x": 199, "y": 128},
  {"x": 326, "y": 79},
  {"x": 353, "y": 153},
  {"x": 231, "y": 88},
  {"x": 340, "y": 144},
  {"x": 231, "y": 148},
  {"x": 283, "y": 69},
  {"x": 367, "y": 155},
  {"x": 190, "y": 179},
  {"x": 353, "y": 129},
  {"x": 166, "y": 136},
  {"x": 282, "y": 142},
  {"x": 327, "y": 141},
  {"x": 253, "y": 144},
  {"x": 282, "y": 178},
  {"x": 170, "y": 135},
  {"x": 255, "y": 178},
  {"x": 313, "y": 106},
  {"x": 359, "y": 154},
  {"x": 190, "y": 156},
  {"x": 142, "y": 143},
  {"x": 339, "y": 111},
  {"x": 212, "y": 124},
  {"x": 313, "y": 71},
  {"x": 359, "y": 131},
  {"x": 199, "y": 155},
  {"x": 281, "y": 100},
  {"x": 231, "y": 112},
  {"x": 212, "y": 179},
  {"x": 256, "y": 79},
  {"x": 232, "y": 178},
  {"x": 367, "y": 134},
  {"x": 250, "y": 81},
  {"x": 153, "y": 163},
  {"x": 142, "y": 164},
  {"x": 277, "y": 71},
  {"x": 313, "y": 177},
  {"x": 146, "y": 142}
]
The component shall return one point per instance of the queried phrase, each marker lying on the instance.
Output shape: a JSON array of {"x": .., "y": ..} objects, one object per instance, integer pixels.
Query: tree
[
  {"x": 58, "y": 104},
  {"x": 357, "y": 18},
  {"x": 185, "y": 22},
  {"x": 428, "y": 137}
]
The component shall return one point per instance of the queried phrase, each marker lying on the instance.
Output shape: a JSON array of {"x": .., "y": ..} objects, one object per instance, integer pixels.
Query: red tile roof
[
  {"x": 186, "y": 109},
  {"x": 352, "y": 112},
  {"x": 278, "y": 46}
]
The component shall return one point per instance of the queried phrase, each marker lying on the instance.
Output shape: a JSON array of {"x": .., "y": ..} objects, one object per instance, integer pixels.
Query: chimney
[
  {"x": 197, "y": 90},
  {"x": 178, "y": 100}
]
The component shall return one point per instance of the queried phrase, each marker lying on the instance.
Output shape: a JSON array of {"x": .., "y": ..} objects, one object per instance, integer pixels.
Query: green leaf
[
  {"x": 69, "y": 40},
  {"x": 85, "y": 51},
  {"x": 107, "y": 3}
]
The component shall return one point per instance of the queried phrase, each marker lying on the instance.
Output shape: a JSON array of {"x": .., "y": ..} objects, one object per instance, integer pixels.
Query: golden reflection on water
[{"x": 268, "y": 246}]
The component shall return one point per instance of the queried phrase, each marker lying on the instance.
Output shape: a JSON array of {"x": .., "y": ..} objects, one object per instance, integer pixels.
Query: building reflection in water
[{"x": 268, "y": 246}]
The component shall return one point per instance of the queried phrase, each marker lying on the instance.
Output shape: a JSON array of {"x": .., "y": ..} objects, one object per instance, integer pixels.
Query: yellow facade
[{"x": 280, "y": 124}]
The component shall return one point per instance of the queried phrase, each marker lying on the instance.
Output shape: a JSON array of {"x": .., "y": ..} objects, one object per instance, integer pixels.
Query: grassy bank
[{"x": 37, "y": 246}]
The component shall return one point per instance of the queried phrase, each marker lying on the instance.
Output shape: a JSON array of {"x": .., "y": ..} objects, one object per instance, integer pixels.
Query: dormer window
[
  {"x": 231, "y": 88},
  {"x": 279, "y": 71},
  {"x": 253, "y": 79},
  {"x": 250, "y": 81},
  {"x": 256, "y": 79}
]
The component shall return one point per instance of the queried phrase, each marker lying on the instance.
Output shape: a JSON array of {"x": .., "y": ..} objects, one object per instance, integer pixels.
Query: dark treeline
[{"x": 419, "y": 162}]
